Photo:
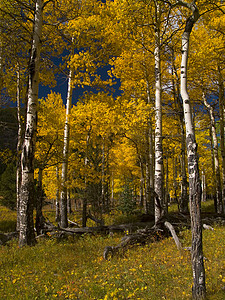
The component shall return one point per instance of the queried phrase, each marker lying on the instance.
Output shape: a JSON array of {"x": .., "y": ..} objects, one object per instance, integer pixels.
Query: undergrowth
[{"x": 75, "y": 269}]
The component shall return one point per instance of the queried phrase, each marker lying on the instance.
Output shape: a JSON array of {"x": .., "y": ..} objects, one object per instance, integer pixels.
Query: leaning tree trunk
[
  {"x": 219, "y": 204},
  {"x": 26, "y": 234},
  {"x": 199, "y": 288},
  {"x": 63, "y": 198},
  {"x": 159, "y": 205}
]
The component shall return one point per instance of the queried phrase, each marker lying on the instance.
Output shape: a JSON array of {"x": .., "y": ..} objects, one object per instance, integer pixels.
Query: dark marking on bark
[
  {"x": 189, "y": 24},
  {"x": 32, "y": 65},
  {"x": 157, "y": 73}
]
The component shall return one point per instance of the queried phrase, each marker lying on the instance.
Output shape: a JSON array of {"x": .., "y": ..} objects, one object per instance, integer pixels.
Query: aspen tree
[
  {"x": 26, "y": 234},
  {"x": 159, "y": 182},
  {"x": 218, "y": 202},
  {"x": 19, "y": 146},
  {"x": 199, "y": 288},
  {"x": 63, "y": 197}
]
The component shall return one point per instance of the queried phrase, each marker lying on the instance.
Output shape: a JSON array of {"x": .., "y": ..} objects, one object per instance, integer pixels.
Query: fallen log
[
  {"x": 139, "y": 238},
  {"x": 174, "y": 235}
]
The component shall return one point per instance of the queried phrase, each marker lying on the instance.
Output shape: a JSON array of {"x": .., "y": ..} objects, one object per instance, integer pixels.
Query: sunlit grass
[{"x": 75, "y": 269}]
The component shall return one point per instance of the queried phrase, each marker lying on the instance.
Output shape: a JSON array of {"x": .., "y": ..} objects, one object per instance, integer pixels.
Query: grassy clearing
[{"x": 74, "y": 269}]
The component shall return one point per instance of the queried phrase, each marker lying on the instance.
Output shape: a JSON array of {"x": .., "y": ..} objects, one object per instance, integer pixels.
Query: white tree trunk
[
  {"x": 63, "y": 198},
  {"x": 203, "y": 187},
  {"x": 199, "y": 288},
  {"x": 183, "y": 204},
  {"x": 219, "y": 206},
  {"x": 26, "y": 234},
  {"x": 158, "y": 121},
  {"x": 57, "y": 196},
  {"x": 85, "y": 202}
]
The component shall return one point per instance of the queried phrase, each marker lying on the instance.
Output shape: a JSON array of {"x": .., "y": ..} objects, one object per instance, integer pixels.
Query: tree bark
[
  {"x": 158, "y": 120},
  {"x": 149, "y": 162},
  {"x": 183, "y": 204},
  {"x": 222, "y": 144},
  {"x": 57, "y": 200},
  {"x": 26, "y": 234},
  {"x": 84, "y": 208},
  {"x": 219, "y": 204},
  {"x": 19, "y": 147},
  {"x": 39, "y": 224},
  {"x": 199, "y": 288},
  {"x": 63, "y": 198}
]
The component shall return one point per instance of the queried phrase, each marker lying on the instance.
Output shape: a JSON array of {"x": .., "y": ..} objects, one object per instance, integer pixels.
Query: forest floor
[{"x": 75, "y": 268}]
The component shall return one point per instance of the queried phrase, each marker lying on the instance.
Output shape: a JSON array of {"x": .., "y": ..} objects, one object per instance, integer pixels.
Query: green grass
[{"x": 75, "y": 269}]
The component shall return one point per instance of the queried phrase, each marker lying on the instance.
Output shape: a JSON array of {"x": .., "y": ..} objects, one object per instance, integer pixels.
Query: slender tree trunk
[
  {"x": 199, "y": 288},
  {"x": 149, "y": 172},
  {"x": 222, "y": 142},
  {"x": 19, "y": 148},
  {"x": 203, "y": 187},
  {"x": 112, "y": 190},
  {"x": 63, "y": 198},
  {"x": 39, "y": 203},
  {"x": 26, "y": 234},
  {"x": 159, "y": 199},
  {"x": 219, "y": 204},
  {"x": 213, "y": 169},
  {"x": 183, "y": 207},
  {"x": 57, "y": 200},
  {"x": 183, "y": 204},
  {"x": 84, "y": 209},
  {"x": 103, "y": 185},
  {"x": 143, "y": 200},
  {"x": 69, "y": 206},
  {"x": 149, "y": 163},
  {"x": 149, "y": 193}
]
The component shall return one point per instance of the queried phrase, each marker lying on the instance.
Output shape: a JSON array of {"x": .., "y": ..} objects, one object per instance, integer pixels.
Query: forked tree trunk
[
  {"x": 199, "y": 288},
  {"x": 26, "y": 234},
  {"x": 63, "y": 198}
]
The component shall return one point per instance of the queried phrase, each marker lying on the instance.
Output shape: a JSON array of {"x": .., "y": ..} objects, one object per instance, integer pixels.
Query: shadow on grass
[
  {"x": 208, "y": 206},
  {"x": 7, "y": 225}
]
